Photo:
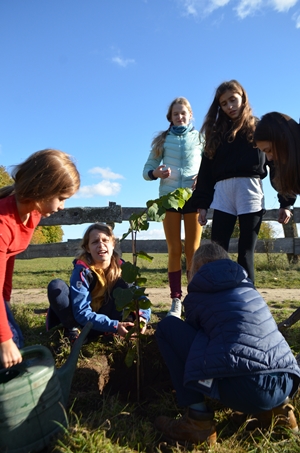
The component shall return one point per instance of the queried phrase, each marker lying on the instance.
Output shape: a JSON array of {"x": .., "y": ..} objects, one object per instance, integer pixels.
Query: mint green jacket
[{"x": 182, "y": 153}]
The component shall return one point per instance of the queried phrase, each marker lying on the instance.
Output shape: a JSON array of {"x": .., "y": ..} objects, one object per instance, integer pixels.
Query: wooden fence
[{"x": 114, "y": 213}]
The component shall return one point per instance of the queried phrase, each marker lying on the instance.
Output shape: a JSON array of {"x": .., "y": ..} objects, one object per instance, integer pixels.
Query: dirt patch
[
  {"x": 158, "y": 296},
  {"x": 106, "y": 374}
]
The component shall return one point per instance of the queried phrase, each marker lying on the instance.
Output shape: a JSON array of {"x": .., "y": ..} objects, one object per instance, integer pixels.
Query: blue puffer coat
[
  {"x": 182, "y": 153},
  {"x": 237, "y": 334}
]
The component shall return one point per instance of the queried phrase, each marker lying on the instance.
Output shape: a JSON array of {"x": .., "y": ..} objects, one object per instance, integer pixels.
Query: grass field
[
  {"x": 272, "y": 271},
  {"x": 104, "y": 413}
]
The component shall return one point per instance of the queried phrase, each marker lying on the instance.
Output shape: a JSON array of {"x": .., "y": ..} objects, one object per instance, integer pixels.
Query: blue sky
[{"x": 94, "y": 78}]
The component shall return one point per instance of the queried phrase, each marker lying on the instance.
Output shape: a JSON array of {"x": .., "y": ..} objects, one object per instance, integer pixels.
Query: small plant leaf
[
  {"x": 130, "y": 357},
  {"x": 123, "y": 298},
  {"x": 170, "y": 202},
  {"x": 144, "y": 303},
  {"x": 144, "y": 256},
  {"x": 152, "y": 211},
  {"x": 137, "y": 292},
  {"x": 141, "y": 281},
  {"x": 124, "y": 236},
  {"x": 126, "y": 313},
  {"x": 150, "y": 203},
  {"x": 130, "y": 272}
]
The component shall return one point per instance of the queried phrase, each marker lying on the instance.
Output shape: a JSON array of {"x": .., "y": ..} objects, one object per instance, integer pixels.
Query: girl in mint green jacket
[{"x": 175, "y": 159}]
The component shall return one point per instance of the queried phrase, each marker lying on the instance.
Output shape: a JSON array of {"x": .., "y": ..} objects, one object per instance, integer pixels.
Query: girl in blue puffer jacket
[
  {"x": 229, "y": 348},
  {"x": 179, "y": 150}
]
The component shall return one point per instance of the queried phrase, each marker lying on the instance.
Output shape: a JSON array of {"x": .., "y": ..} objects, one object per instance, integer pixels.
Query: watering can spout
[{"x": 66, "y": 372}]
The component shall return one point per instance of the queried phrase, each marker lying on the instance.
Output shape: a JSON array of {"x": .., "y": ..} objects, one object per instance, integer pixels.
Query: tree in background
[
  {"x": 266, "y": 231},
  {"x": 5, "y": 179},
  {"x": 42, "y": 234},
  {"x": 47, "y": 235}
]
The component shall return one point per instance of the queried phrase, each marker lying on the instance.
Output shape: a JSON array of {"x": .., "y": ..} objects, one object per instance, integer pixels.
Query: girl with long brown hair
[
  {"x": 89, "y": 298},
  {"x": 278, "y": 136},
  {"x": 230, "y": 174}
]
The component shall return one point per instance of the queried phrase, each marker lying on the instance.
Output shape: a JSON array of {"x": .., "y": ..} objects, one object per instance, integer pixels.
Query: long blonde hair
[
  {"x": 217, "y": 127},
  {"x": 113, "y": 271},
  {"x": 43, "y": 175},
  {"x": 206, "y": 253},
  {"x": 157, "y": 144}
]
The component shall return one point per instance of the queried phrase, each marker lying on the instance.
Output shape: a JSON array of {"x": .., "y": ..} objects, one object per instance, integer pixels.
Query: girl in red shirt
[{"x": 41, "y": 185}]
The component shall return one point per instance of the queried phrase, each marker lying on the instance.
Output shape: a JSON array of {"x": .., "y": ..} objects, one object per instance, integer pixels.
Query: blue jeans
[
  {"x": 14, "y": 327},
  {"x": 60, "y": 310},
  {"x": 249, "y": 394}
]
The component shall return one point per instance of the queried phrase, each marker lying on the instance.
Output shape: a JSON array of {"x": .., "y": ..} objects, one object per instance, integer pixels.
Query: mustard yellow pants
[{"x": 172, "y": 229}]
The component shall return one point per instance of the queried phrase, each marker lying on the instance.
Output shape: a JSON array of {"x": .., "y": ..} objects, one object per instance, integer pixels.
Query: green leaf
[
  {"x": 137, "y": 292},
  {"x": 141, "y": 281},
  {"x": 123, "y": 298},
  {"x": 161, "y": 214},
  {"x": 144, "y": 256},
  {"x": 171, "y": 202},
  {"x": 144, "y": 303},
  {"x": 136, "y": 216},
  {"x": 126, "y": 313},
  {"x": 130, "y": 357},
  {"x": 152, "y": 210},
  {"x": 150, "y": 203},
  {"x": 187, "y": 192},
  {"x": 142, "y": 324},
  {"x": 144, "y": 225},
  {"x": 139, "y": 222},
  {"x": 124, "y": 236},
  {"x": 130, "y": 272},
  {"x": 157, "y": 212}
]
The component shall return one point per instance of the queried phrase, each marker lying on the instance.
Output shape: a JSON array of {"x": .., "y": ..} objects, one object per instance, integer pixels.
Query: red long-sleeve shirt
[{"x": 14, "y": 239}]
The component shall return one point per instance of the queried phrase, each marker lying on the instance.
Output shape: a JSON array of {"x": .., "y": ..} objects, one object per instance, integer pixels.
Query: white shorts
[{"x": 238, "y": 196}]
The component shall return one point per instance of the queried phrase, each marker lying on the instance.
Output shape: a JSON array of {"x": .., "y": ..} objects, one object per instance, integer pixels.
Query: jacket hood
[{"x": 218, "y": 276}]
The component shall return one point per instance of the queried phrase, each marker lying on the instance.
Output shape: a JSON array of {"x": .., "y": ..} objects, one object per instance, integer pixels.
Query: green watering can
[{"x": 33, "y": 397}]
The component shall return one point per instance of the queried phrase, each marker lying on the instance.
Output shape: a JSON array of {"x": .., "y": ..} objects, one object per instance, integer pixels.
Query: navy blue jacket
[{"x": 237, "y": 334}]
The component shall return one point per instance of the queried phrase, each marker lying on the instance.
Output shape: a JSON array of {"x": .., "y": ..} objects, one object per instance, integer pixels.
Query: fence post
[{"x": 290, "y": 231}]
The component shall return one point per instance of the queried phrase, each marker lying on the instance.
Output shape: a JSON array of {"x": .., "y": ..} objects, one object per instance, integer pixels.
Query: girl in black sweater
[{"x": 230, "y": 174}]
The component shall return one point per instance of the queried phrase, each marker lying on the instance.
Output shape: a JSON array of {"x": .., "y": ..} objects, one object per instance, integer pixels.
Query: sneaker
[
  {"x": 72, "y": 334},
  {"x": 194, "y": 427},
  {"x": 282, "y": 415},
  {"x": 176, "y": 308}
]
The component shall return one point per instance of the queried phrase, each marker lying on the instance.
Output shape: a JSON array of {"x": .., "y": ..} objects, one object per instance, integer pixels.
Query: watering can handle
[{"x": 36, "y": 350}]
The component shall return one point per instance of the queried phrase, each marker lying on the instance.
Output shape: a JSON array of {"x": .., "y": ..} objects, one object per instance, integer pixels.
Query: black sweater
[{"x": 232, "y": 160}]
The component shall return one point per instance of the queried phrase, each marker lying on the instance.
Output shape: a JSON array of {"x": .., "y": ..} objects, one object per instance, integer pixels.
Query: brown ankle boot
[
  {"x": 282, "y": 415},
  {"x": 194, "y": 427}
]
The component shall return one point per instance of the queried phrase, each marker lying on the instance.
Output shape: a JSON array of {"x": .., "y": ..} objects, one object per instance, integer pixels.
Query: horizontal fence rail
[{"x": 114, "y": 213}]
